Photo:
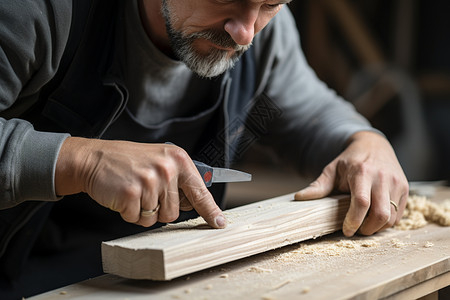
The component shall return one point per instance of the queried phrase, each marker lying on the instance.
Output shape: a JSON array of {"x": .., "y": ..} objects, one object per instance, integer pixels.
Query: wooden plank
[
  {"x": 183, "y": 248},
  {"x": 392, "y": 264},
  {"x": 400, "y": 261}
]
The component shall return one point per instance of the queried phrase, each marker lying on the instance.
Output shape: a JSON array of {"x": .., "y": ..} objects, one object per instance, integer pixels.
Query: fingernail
[
  {"x": 348, "y": 230},
  {"x": 221, "y": 222},
  {"x": 298, "y": 195}
]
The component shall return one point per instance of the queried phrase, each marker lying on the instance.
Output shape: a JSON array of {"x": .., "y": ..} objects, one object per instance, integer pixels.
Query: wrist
[
  {"x": 71, "y": 166},
  {"x": 365, "y": 135}
]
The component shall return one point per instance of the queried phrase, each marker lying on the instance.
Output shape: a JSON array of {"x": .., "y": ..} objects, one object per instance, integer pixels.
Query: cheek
[
  {"x": 189, "y": 16},
  {"x": 264, "y": 17},
  {"x": 261, "y": 23}
]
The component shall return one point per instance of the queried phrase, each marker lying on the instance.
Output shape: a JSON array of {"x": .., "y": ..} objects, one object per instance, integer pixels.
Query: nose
[{"x": 241, "y": 27}]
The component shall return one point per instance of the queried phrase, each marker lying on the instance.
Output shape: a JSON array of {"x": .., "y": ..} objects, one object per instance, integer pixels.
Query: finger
[
  {"x": 359, "y": 205},
  {"x": 169, "y": 201},
  {"x": 149, "y": 203},
  {"x": 398, "y": 201},
  {"x": 394, "y": 215},
  {"x": 397, "y": 208},
  {"x": 401, "y": 193},
  {"x": 201, "y": 199},
  {"x": 185, "y": 205},
  {"x": 128, "y": 204},
  {"x": 401, "y": 206},
  {"x": 380, "y": 211},
  {"x": 319, "y": 188},
  {"x": 130, "y": 212}
]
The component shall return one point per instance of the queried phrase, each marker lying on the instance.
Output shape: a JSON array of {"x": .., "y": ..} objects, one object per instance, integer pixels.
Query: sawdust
[
  {"x": 188, "y": 224},
  {"x": 420, "y": 211},
  {"x": 334, "y": 248},
  {"x": 396, "y": 243}
]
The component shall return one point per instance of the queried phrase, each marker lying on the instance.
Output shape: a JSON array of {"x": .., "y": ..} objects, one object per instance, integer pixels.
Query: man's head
[
  {"x": 209, "y": 36},
  {"x": 210, "y": 63}
]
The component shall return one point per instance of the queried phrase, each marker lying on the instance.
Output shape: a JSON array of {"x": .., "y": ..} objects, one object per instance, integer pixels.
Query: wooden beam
[{"x": 179, "y": 249}]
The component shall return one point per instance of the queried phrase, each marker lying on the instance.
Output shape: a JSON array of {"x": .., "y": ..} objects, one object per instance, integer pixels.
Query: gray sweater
[{"x": 313, "y": 127}]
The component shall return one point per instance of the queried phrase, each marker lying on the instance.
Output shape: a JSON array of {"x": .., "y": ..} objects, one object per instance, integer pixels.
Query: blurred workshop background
[{"x": 391, "y": 59}]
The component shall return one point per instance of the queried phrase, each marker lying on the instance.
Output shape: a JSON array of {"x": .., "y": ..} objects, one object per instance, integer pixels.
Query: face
[{"x": 209, "y": 36}]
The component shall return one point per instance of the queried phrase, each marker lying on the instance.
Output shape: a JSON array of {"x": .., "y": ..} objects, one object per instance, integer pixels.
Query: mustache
[{"x": 220, "y": 38}]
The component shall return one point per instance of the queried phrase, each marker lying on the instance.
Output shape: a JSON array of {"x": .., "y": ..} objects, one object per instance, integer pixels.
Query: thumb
[{"x": 319, "y": 188}]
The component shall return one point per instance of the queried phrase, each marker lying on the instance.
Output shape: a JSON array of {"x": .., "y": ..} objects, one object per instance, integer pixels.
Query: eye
[
  {"x": 273, "y": 6},
  {"x": 276, "y": 4}
]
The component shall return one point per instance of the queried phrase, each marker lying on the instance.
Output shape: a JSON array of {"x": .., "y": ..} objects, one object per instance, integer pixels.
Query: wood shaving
[
  {"x": 259, "y": 270},
  {"x": 279, "y": 286},
  {"x": 428, "y": 244},
  {"x": 420, "y": 210},
  {"x": 306, "y": 290}
]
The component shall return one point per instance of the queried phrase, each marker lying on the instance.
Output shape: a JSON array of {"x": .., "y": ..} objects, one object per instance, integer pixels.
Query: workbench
[{"x": 393, "y": 264}]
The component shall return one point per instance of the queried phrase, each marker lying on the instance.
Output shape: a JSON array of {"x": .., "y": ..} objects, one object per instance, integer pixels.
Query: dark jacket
[{"x": 86, "y": 96}]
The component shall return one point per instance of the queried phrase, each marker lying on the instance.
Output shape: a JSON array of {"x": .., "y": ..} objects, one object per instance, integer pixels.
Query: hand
[
  {"x": 369, "y": 170},
  {"x": 129, "y": 177}
]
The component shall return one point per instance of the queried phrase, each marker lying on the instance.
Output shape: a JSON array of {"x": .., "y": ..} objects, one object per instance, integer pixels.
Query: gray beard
[{"x": 210, "y": 65}]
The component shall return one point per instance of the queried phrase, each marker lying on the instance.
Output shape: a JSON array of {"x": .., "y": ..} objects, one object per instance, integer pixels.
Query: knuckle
[
  {"x": 362, "y": 168},
  {"x": 129, "y": 191},
  {"x": 150, "y": 178},
  {"x": 165, "y": 172},
  {"x": 366, "y": 169},
  {"x": 381, "y": 216},
  {"x": 179, "y": 154},
  {"x": 362, "y": 201}
]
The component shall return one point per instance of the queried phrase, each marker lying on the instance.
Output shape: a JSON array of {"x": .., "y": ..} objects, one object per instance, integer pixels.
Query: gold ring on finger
[
  {"x": 395, "y": 205},
  {"x": 149, "y": 213}
]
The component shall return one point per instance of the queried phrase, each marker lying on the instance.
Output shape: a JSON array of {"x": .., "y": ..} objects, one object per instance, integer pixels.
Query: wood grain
[{"x": 183, "y": 248}]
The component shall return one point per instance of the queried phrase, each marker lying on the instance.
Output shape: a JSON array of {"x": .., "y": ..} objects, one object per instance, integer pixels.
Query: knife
[{"x": 212, "y": 175}]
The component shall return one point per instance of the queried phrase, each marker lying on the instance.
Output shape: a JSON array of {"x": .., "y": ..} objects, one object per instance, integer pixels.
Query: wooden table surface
[{"x": 393, "y": 264}]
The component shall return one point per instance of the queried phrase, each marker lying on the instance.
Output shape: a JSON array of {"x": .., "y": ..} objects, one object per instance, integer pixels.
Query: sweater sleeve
[
  {"x": 33, "y": 34},
  {"x": 314, "y": 123}
]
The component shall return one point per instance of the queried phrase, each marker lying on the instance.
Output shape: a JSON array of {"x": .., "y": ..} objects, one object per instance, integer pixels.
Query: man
[{"x": 87, "y": 111}]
